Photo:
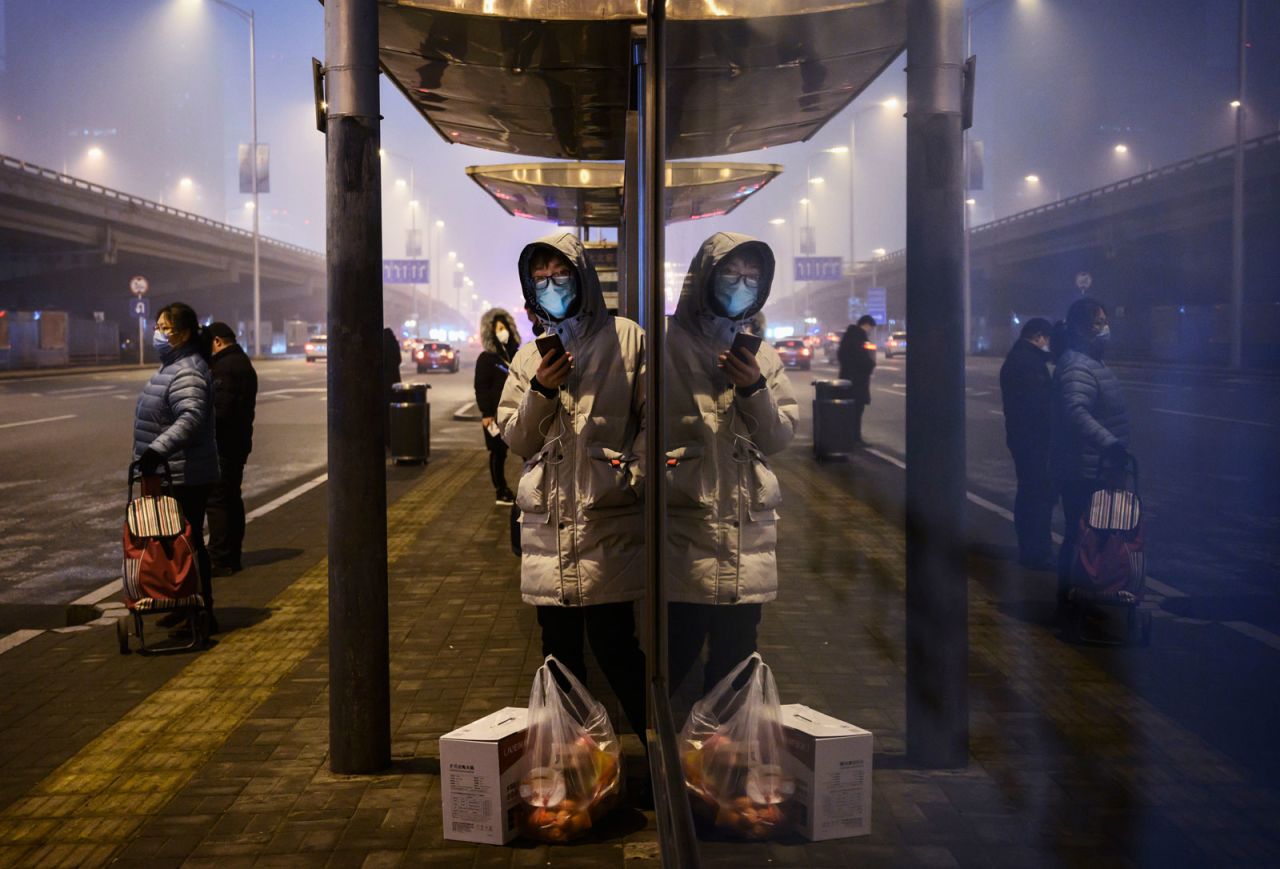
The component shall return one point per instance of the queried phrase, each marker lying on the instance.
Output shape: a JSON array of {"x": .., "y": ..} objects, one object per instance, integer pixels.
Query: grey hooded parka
[
  {"x": 582, "y": 526},
  {"x": 721, "y": 494}
]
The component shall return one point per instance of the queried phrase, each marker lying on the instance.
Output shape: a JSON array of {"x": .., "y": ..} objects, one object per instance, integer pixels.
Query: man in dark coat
[
  {"x": 235, "y": 397},
  {"x": 1026, "y": 389},
  {"x": 856, "y": 365}
]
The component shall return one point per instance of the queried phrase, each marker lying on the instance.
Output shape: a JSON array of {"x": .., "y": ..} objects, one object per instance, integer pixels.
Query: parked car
[
  {"x": 317, "y": 348},
  {"x": 895, "y": 345},
  {"x": 795, "y": 353},
  {"x": 434, "y": 356}
]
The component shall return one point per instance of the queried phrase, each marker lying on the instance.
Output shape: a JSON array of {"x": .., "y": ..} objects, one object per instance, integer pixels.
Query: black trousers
[
  {"x": 193, "y": 500},
  {"x": 859, "y": 408},
  {"x": 1033, "y": 505},
  {"x": 611, "y": 628},
  {"x": 497, "y": 461},
  {"x": 226, "y": 515},
  {"x": 731, "y": 630},
  {"x": 1076, "y": 495}
]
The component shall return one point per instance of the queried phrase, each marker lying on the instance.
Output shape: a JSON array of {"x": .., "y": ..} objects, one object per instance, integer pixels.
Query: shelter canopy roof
[
  {"x": 551, "y": 78},
  {"x": 591, "y": 194}
]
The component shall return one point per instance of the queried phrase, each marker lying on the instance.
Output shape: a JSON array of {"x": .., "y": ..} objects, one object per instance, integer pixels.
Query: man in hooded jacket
[
  {"x": 856, "y": 365},
  {"x": 725, "y": 413},
  {"x": 501, "y": 340},
  {"x": 578, "y": 419}
]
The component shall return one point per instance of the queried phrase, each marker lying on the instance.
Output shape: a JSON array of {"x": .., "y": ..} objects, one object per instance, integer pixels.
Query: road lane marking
[
  {"x": 101, "y": 594},
  {"x": 891, "y": 391},
  {"x": 1245, "y": 628},
  {"x": 37, "y": 421},
  {"x": 105, "y": 387},
  {"x": 17, "y": 638},
  {"x": 995, "y": 411},
  {"x": 289, "y": 389},
  {"x": 117, "y": 783},
  {"x": 1216, "y": 418}
]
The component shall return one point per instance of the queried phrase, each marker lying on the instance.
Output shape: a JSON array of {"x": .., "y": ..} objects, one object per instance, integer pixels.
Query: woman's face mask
[
  {"x": 736, "y": 293},
  {"x": 501, "y": 334},
  {"x": 556, "y": 294},
  {"x": 160, "y": 340}
]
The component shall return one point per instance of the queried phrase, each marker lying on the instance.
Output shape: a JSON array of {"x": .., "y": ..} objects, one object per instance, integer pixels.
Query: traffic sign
[
  {"x": 138, "y": 285},
  {"x": 139, "y": 308},
  {"x": 876, "y": 306},
  {"x": 406, "y": 271},
  {"x": 819, "y": 268}
]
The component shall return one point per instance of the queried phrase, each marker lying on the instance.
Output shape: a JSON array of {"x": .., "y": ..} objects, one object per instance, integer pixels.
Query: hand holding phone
[
  {"x": 747, "y": 343},
  {"x": 739, "y": 361},
  {"x": 556, "y": 361}
]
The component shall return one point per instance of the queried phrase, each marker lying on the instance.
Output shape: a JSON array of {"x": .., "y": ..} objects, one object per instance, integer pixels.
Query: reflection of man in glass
[
  {"x": 576, "y": 412},
  {"x": 726, "y": 411}
]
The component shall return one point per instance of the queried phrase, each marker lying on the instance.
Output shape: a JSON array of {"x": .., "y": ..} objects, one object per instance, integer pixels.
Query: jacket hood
[
  {"x": 488, "y": 326},
  {"x": 591, "y": 310},
  {"x": 694, "y": 309}
]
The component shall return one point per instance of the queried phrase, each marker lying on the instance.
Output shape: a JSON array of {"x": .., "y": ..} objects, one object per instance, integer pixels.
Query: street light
[
  {"x": 94, "y": 153},
  {"x": 778, "y": 221},
  {"x": 185, "y": 183},
  {"x": 247, "y": 15},
  {"x": 1122, "y": 149},
  {"x": 1032, "y": 179}
]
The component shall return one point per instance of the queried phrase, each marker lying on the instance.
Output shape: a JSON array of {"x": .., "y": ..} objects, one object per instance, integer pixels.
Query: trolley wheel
[{"x": 122, "y": 634}]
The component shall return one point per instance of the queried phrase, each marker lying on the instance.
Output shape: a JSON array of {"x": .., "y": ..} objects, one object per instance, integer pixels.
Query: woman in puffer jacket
[
  {"x": 1089, "y": 434},
  {"x": 725, "y": 415},
  {"x": 174, "y": 424},
  {"x": 578, "y": 418}
]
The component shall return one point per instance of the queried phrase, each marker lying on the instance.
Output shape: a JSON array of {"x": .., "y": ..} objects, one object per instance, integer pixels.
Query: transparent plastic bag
[
  {"x": 571, "y": 774},
  {"x": 732, "y": 747}
]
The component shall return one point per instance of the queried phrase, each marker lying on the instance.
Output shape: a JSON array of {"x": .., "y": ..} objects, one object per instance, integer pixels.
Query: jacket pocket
[
  {"x": 609, "y": 479},
  {"x": 763, "y": 491},
  {"x": 533, "y": 493},
  {"x": 685, "y": 486}
]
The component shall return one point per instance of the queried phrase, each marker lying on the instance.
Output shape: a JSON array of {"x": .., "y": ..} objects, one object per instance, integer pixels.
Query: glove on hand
[
  {"x": 149, "y": 462},
  {"x": 1116, "y": 455}
]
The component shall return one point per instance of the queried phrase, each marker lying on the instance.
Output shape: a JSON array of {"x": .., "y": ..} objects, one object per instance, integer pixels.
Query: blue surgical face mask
[
  {"x": 160, "y": 340},
  {"x": 556, "y": 294},
  {"x": 1103, "y": 335},
  {"x": 736, "y": 294}
]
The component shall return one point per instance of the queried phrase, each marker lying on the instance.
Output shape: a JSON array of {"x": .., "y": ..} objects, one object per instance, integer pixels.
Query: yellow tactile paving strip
[{"x": 91, "y": 806}]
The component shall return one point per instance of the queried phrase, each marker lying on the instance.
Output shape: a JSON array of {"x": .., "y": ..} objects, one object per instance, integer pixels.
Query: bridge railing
[
  {"x": 158, "y": 207},
  {"x": 1163, "y": 172}
]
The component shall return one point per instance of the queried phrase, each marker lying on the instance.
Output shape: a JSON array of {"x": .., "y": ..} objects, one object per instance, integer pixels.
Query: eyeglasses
[
  {"x": 752, "y": 281},
  {"x": 559, "y": 280}
]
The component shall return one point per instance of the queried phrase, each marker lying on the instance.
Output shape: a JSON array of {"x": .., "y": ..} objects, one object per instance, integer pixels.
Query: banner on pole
[
  {"x": 406, "y": 271},
  {"x": 819, "y": 268}
]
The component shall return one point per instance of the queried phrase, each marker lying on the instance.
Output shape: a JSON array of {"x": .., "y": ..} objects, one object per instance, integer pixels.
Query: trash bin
[
  {"x": 834, "y": 413},
  {"x": 416, "y": 394},
  {"x": 408, "y": 434}
]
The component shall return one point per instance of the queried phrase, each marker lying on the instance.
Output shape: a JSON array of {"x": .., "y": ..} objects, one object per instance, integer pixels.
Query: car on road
[
  {"x": 795, "y": 353},
  {"x": 317, "y": 347},
  {"x": 434, "y": 356},
  {"x": 895, "y": 345}
]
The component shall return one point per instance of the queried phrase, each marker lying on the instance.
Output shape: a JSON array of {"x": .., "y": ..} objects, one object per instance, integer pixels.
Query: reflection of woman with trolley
[
  {"x": 1090, "y": 429},
  {"x": 173, "y": 424},
  {"x": 501, "y": 340}
]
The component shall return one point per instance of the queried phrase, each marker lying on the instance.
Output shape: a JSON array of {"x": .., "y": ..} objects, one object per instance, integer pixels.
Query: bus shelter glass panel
[{"x": 783, "y": 574}]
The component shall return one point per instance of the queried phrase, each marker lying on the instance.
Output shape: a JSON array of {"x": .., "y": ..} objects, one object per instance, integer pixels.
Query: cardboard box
[
  {"x": 830, "y": 761},
  {"x": 479, "y": 777}
]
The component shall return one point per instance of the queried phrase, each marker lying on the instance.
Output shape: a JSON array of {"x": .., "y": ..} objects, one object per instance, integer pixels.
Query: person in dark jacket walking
[
  {"x": 501, "y": 340},
  {"x": 856, "y": 365},
  {"x": 1090, "y": 429},
  {"x": 173, "y": 423},
  {"x": 1026, "y": 390},
  {"x": 391, "y": 360},
  {"x": 235, "y": 396}
]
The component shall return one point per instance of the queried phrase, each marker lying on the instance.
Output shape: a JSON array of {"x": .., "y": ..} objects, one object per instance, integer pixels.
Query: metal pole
[
  {"x": 253, "y": 162},
  {"x": 936, "y": 598},
  {"x": 413, "y": 231},
  {"x": 359, "y": 674},
  {"x": 853, "y": 235},
  {"x": 142, "y": 328},
  {"x": 1237, "y": 205},
  {"x": 964, "y": 143}
]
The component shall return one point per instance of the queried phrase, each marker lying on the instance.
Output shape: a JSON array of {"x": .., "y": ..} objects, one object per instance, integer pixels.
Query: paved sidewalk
[{"x": 220, "y": 758}]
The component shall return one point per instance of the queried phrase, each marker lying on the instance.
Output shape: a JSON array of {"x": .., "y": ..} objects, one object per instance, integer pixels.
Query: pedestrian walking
[
  {"x": 1026, "y": 391},
  {"x": 856, "y": 364},
  {"x": 391, "y": 360},
  {"x": 173, "y": 424},
  {"x": 235, "y": 398},
  {"x": 726, "y": 412},
  {"x": 1090, "y": 428},
  {"x": 576, "y": 412},
  {"x": 500, "y": 339}
]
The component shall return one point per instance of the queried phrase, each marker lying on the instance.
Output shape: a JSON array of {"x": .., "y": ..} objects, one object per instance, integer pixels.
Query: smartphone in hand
[
  {"x": 747, "y": 342},
  {"x": 548, "y": 343}
]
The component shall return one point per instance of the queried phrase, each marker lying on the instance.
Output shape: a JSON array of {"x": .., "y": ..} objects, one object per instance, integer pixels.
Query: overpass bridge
[
  {"x": 1156, "y": 248},
  {"x": 69, "y": 244}
]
